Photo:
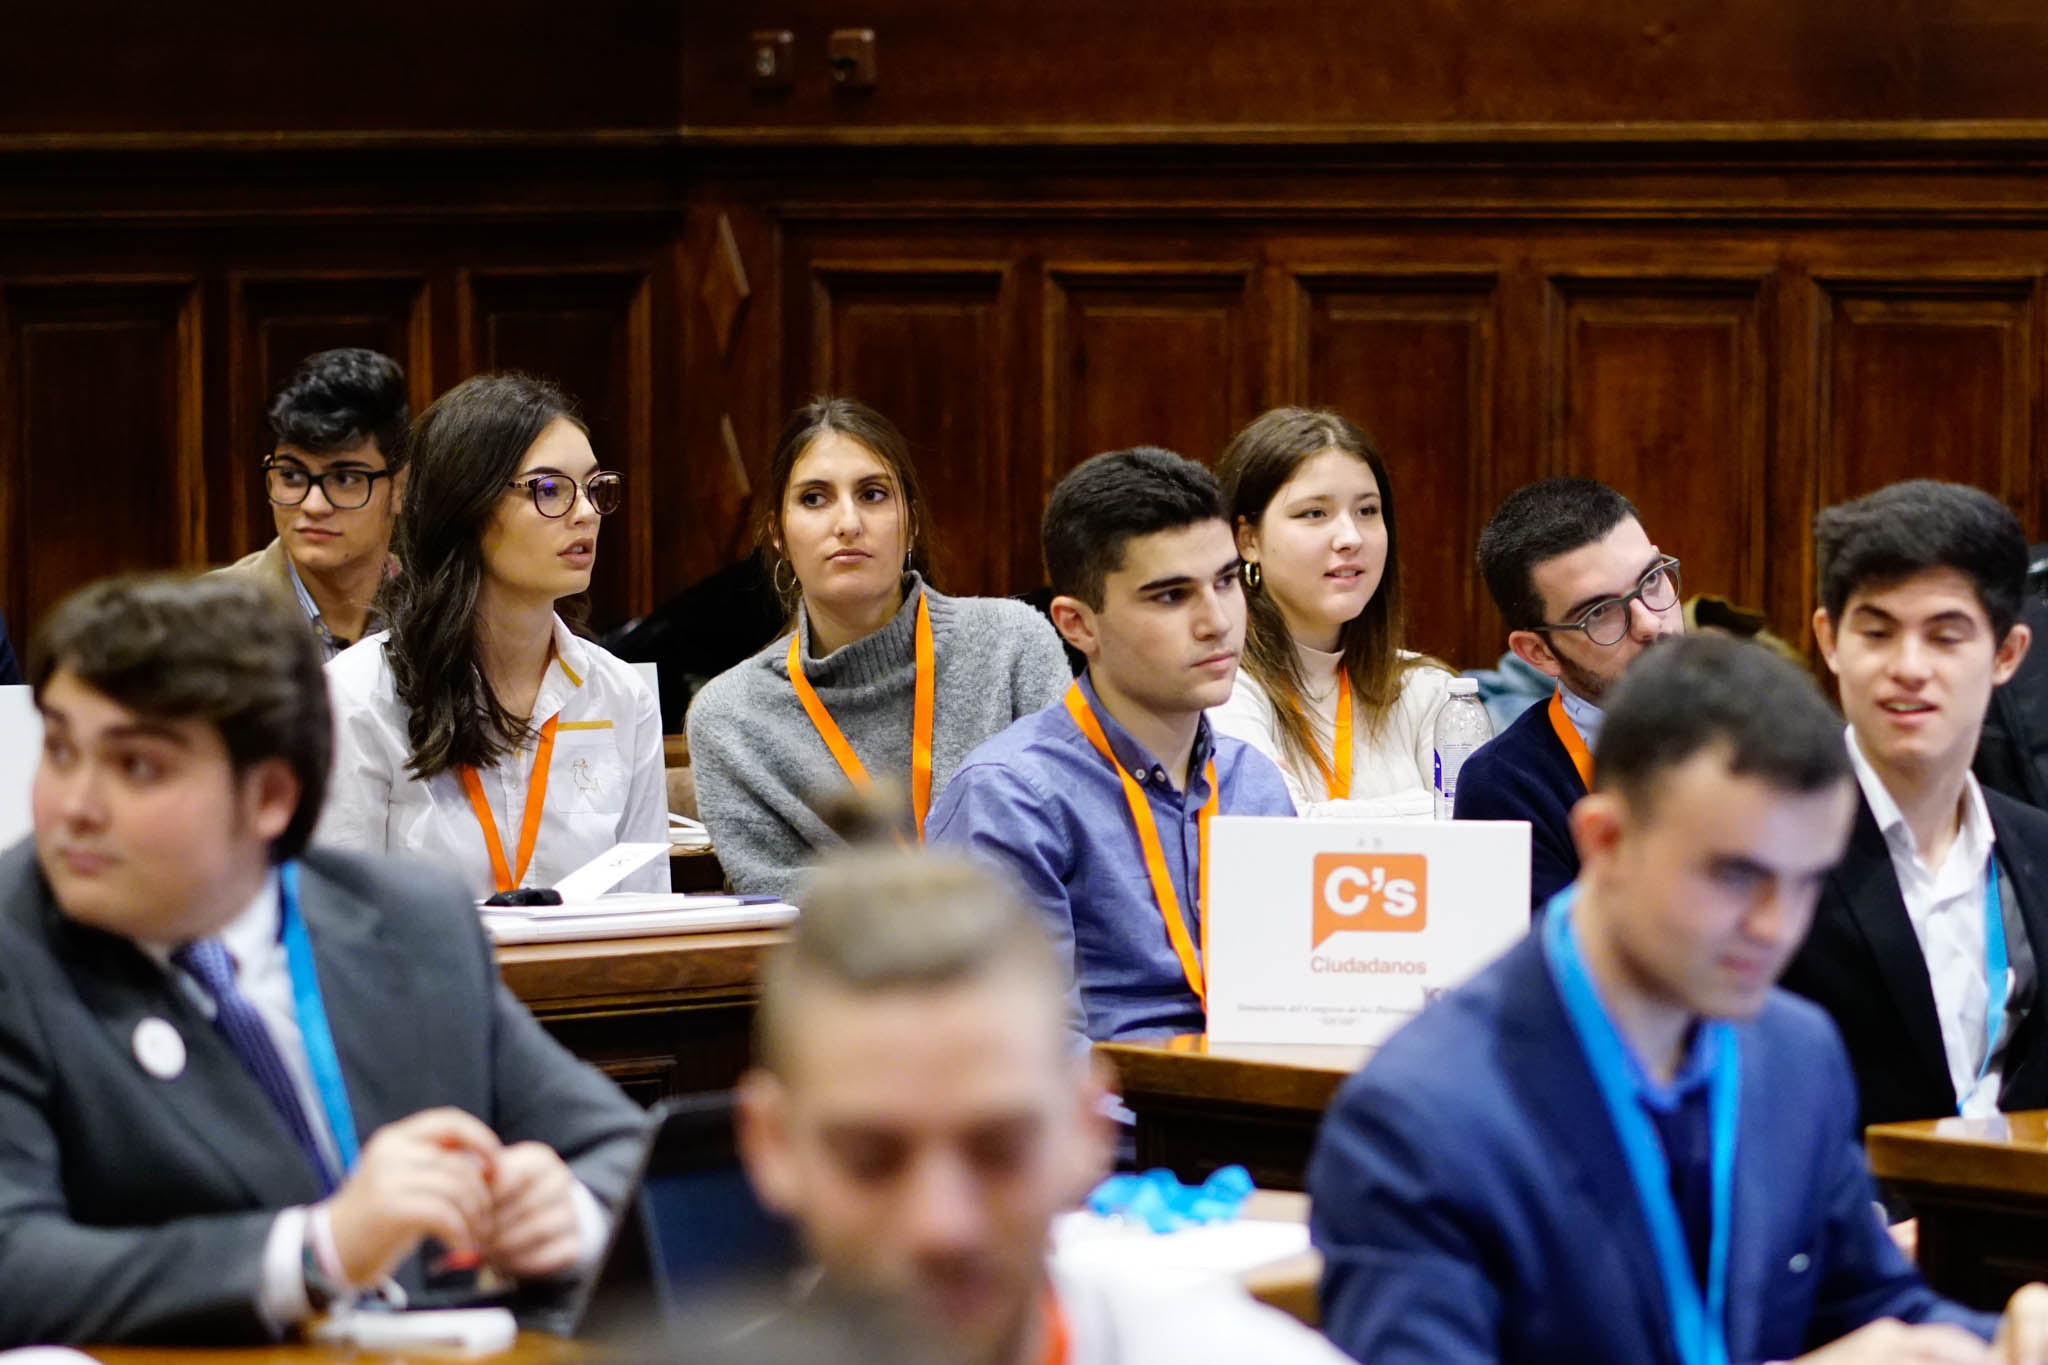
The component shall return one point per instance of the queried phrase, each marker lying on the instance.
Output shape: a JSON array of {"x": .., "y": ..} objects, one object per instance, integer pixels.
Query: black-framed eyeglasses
[
  {"x": 288, "y": 484},
  {"x": 555, "y": 494},
  {"x": 1606, "y": 621}
]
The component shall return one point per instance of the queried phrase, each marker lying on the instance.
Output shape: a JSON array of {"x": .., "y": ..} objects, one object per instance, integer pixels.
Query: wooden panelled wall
[
  {"x": 1730, "y": 358},
  {"x": 1739, "y": 260}
]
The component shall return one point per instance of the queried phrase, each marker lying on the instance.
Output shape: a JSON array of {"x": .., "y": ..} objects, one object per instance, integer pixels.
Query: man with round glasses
[
  {"x": 334, "y": 476},
  {"x": 1583, "y": 591}
]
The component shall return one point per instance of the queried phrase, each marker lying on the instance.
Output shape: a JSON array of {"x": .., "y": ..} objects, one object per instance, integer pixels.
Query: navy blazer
[
  {"x": 1525, "y": 773},
  {"x": 1862, "y": 963},
  {"x": 1472, "y": 1202}
]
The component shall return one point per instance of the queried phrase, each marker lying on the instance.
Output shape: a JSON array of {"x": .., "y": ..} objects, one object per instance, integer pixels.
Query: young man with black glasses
[
  {"x": 335, "y": 477},
  {"x": 1583, "y": 590}
]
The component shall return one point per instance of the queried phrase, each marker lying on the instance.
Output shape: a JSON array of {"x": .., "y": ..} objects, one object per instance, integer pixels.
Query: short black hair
[
  {"x": 1107, "y": 501},
  {"x": 1907, "y": 528},
  {"x": 217, "y": 648},
  {"x": 1691, "y": 692},
  {"x": 338, "y": 399},
  {"x": 1540, "y": 521}
]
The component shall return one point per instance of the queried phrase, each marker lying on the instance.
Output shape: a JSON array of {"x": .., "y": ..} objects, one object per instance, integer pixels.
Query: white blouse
[
  {"x": 605, "y": 784},
  {"x": 1392, "y": 773}
]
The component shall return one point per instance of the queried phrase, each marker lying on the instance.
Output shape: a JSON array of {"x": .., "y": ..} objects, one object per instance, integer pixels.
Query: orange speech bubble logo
[{"x": 1370, "y": 893}]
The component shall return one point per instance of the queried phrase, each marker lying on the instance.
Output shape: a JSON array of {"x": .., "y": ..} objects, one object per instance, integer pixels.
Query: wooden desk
[
  {"x": 1201, "y": 1105},
  {"x": 662, "y": 1015},
  {"x": 1980, "y": 1190},
  {"x": 532, "y": 1348}
]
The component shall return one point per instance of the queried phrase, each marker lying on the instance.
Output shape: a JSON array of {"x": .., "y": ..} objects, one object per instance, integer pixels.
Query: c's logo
[{"x": 1370, "y": 893}]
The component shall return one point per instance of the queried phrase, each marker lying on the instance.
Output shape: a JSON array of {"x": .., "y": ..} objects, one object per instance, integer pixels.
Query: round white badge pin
[{"x": 159, "y": 1049}]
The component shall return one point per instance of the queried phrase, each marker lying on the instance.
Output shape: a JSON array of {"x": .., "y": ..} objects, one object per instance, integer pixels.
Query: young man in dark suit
[
  {"x": 1927, "y": 943},
  {"x": 201, "y": 1020},
  {"x": 1619, "y": 1143},
  {"x": 1582, "y": 590}
]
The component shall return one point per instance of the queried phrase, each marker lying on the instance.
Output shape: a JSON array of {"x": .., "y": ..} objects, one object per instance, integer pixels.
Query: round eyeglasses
[
  {"x": 288, "y": 485},
  {"x": 1606, "y": 621},
  {"x": 555, "y": 494}
]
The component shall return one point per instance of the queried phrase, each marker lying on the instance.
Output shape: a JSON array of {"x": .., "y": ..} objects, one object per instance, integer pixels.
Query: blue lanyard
[
  {"x": 1699, "y": 1329},
  {"x": 1996, "y": 978},
  {"x": 314, "y": 1034}
]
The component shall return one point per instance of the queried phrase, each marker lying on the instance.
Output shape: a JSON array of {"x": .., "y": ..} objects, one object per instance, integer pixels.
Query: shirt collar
[
  {"x": 251, "y": 933},
  {"x": 566, "y": 672},
  {"x": 1702, "y": 1047},
  {"x": 306, "y": 602},
  {"x": 1974, "y": 836},
  {"x": 1136, "y": 759},
  {"x": 1584, "y": 715}
]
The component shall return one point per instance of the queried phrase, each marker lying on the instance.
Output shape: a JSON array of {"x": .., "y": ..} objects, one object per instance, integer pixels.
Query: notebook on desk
[{"x": 633, "y": 915}]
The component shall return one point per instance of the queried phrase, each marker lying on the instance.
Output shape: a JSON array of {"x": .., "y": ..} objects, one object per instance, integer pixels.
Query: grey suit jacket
[{"x": 135, "y": 1208}]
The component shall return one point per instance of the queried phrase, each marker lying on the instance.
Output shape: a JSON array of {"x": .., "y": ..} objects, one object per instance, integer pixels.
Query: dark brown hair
[
  {"x": 1255, "y": 467},
  {"x": 466, "y": 448},
  {"x": 217, "y": 649},
  {"x": 859, "y": 422}
]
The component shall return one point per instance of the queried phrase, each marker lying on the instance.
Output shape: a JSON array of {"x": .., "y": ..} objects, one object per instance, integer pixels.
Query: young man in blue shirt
[
  {"x": 1620, "y": 1143},
  {"x": 1099, "y": 805},
  {"x": 1582, "y": 590}
]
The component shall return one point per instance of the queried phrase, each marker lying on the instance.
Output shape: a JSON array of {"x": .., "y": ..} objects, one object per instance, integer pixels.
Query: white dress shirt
[
  {"x": 1584, "y": 716},
  {"x": 1393, "y": 772},
  {"x": 1946, "y": 907},
  {"x": 605, "y": 785}
]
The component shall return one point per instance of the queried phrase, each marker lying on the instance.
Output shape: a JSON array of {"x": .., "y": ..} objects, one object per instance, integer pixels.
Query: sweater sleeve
[
  {"x": 1039, "y": 675},
  {"x": 761, "y": 852}
]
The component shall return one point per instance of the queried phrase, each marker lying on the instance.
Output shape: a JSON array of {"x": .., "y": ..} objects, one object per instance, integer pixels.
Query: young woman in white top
[
  {"x": 480, "y": 732},
  {"x": 1325, "y": 689}
]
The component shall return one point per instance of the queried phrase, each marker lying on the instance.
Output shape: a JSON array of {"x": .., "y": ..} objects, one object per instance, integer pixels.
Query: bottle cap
[{"x": 1464, "y": 687}]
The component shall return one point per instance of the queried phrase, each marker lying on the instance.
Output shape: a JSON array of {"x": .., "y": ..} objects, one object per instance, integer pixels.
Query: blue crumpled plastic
[{"x": 1162, "y": 1203}]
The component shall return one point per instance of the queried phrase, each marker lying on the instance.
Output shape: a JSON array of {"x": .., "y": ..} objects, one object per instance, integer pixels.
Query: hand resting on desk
[
  {"x": 2022, "y": 1340},
  {"x": 442, "y": 1173}
]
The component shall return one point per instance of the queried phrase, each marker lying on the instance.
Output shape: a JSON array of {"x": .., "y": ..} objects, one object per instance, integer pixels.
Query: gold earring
[{"x": 1252, "y": 574}]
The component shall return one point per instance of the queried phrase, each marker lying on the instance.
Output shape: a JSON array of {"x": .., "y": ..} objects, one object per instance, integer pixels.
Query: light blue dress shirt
[{"x": 1039, "y": 801}]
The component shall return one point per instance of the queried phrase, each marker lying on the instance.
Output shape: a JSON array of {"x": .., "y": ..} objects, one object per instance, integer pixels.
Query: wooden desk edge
[
  {"x": 1152, "y": 1071},
  {"x": 1912, "y": 1153}
]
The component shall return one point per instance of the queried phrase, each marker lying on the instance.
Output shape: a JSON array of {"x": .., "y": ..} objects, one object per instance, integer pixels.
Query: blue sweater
[{"x": 1524, "y": 773}]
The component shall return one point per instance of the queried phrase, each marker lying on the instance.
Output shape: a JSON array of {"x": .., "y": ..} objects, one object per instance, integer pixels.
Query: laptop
[{"x": 691, "y": 1239}]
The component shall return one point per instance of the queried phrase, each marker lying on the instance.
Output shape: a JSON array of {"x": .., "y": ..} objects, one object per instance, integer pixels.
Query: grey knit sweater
[{"x": 761, "y": 765}]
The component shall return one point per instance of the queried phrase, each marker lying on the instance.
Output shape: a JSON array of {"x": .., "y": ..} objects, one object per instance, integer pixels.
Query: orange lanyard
[
  {"x": 1340, "y": 777},
  {"x": 1155, "y": 854},
  {"x": 1574, "y": 742},
  {"x": 920, "y": 719},
  {"x": 536, "y": 801},
  {"x": 1056, "y": 1347}
]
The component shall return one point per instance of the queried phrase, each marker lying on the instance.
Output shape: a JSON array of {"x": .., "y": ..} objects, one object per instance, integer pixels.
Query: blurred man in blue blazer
[{"x": 1620, "y": 1143}]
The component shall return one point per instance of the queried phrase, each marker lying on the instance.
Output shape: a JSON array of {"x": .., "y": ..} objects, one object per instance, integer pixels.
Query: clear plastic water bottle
[{"x": 1461, "y": 727}]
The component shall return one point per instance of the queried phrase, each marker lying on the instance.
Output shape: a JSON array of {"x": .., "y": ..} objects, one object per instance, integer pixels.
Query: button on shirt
[
  {"x": 606, "y": 783},
  {"x": 1040, "y": 801},
  {"x": 1946, "y": 907}
]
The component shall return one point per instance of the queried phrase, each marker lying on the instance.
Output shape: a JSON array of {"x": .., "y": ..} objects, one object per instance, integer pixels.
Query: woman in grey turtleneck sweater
[{"x": 849, "y": 535}]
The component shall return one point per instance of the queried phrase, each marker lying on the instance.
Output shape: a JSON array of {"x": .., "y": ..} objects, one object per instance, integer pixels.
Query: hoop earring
[
  {"x": 1252, "y": 574},
  {"x": 775, "y": 580}
]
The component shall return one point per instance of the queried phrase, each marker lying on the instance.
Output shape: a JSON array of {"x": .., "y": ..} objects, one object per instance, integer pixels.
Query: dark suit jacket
[
  {"x": 1524, "y": 773},
  {"x": 1472, "y": 1202},
  {"x": 133, "y": 1208},
  {"x": 1862, "y": 964}
]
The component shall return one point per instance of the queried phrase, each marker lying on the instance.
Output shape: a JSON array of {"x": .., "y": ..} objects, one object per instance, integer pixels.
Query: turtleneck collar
[{"x": 875, "y": 656}]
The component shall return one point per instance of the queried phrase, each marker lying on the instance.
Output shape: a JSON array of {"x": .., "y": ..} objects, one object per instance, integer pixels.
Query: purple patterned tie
[{"x": 237, "y": 1020}]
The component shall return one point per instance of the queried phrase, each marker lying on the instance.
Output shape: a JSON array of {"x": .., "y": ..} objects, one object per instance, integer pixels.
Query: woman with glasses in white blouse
[{"x": 480, "y": 731}]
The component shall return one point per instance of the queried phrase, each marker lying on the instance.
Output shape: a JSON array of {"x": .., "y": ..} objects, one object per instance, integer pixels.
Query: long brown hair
[
  {"x": 858, "y": 422},
  {"x": 1258, "y": 463},
  {"x": 466, "y": 448}
]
